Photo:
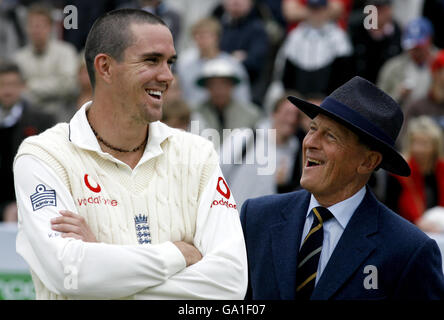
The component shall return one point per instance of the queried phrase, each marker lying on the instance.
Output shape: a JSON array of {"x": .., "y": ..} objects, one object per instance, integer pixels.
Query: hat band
[{"x": 354, "y": 118}]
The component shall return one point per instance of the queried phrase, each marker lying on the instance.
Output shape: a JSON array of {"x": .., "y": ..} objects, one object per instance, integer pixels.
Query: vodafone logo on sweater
[
  {"x": 95, "y": 187},
  {"x": 222, "y": 188}
]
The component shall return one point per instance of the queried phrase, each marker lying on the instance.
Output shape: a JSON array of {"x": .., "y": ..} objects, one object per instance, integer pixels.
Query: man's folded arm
[{"x": 75, "y": 268}]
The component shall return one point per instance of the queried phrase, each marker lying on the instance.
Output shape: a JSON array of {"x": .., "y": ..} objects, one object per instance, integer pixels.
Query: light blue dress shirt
[{"x": 333, "y": 228}]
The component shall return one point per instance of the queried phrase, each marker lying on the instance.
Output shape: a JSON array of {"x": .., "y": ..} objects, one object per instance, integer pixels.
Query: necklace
[{"x": 110, "y": 146}]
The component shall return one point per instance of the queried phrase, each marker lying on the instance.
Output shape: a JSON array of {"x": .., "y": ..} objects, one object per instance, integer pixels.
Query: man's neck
[
  {"x": 119, "y": 131},
  {"x": 327, "y": 200}
]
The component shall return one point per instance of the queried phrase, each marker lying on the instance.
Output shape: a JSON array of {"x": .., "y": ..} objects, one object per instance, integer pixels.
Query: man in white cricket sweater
[{"x": 116, "y": 204}]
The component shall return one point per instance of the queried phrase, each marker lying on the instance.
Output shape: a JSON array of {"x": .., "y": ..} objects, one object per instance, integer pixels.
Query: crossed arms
[{"x": 53, "y": 238}]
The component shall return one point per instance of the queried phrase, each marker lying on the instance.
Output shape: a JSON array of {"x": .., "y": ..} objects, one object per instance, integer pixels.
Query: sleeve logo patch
[{"x": 43, "y": 198}]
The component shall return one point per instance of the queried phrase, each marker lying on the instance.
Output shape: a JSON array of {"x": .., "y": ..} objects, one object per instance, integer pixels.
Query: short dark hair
[
  {"x": 110, "y": 34},
  {"x": 10, "y": 67}
]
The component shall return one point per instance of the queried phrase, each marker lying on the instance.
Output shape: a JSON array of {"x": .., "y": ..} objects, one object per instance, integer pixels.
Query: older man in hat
[{"x": 335, "y": 240}]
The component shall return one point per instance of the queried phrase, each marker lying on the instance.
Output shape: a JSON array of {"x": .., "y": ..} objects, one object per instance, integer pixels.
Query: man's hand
[
  {"x": 72, "y": 225},
  {"x": 190, "y": 252}
]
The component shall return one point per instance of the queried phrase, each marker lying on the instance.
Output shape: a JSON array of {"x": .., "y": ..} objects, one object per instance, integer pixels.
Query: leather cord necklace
[{"x": 112, "y": 147}]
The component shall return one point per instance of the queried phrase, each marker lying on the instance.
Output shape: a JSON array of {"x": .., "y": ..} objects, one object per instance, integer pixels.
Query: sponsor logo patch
[
  {"x": 142, "y": 229},
  {"x": 43, "y": 198}
]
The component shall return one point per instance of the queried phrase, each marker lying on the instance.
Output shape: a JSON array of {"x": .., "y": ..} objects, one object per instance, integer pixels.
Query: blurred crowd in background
[{"x": 238, "y": 60}]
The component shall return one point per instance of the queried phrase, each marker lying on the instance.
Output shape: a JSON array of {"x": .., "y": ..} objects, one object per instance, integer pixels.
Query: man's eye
[{"x": 330, "y": 136}]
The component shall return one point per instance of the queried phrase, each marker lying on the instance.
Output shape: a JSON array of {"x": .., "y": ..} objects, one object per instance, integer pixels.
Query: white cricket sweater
[{"x": 168, "y": 197}]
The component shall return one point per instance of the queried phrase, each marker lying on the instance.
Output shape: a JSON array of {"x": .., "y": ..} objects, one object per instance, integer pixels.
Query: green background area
[{"x": 16, "y": 286}]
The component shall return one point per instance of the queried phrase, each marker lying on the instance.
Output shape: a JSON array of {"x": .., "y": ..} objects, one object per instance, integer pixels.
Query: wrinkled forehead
[{"x": 331, "y": 124}]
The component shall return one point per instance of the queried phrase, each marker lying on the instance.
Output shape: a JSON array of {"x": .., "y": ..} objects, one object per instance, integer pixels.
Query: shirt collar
[
  {"x": 343, "y": 210},
  {"x": 81, "y": 134}
]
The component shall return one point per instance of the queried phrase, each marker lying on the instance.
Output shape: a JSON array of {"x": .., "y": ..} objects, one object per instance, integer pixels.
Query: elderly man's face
[
  {"x": 331, "y": 157},
  {"x": 142, "y": 79}
]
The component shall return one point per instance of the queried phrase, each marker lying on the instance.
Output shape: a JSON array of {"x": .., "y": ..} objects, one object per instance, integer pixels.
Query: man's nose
[
  {"x": 165, "y": 73},
  {"x": 311, "y": 140}
]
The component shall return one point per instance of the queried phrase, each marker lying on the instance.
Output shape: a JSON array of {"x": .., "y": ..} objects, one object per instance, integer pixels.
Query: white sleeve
[
  {"x": 100, "y": 270},
  {"x": 222, "y": 272}
]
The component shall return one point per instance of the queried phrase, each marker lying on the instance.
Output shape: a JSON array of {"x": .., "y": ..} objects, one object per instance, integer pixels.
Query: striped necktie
[{"x": 309, "y": 254}]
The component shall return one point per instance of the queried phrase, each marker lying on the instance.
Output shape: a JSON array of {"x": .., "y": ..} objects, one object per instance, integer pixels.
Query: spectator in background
[
  {"x": 432, "y": 104},
  {"x": 423, "y": 148},
  {"x": 406, "y": 76},
  {"x": 85, "y": 92},
  {"x": 18, "y": 120},
  {"x": 12, "y": 35},
  {"x": 206, "y": 35},
  {"x": 190, "y": 11},
  {"x": 405, "y": 11},
  {"x": 296, "y": 11},
  {"x": 286, "y": 120},
  {"x": 373, "y": 47},
  {"x": 176, "y": 114},
  {"x": 221, "y": 110},
  {"x": 245, "y": 38},
  {"x": 314, "y": 51},
  {"x": 281, "y": 135},
  {"x": 88, "y": 12},
  {"x": 49, "y": 66}
]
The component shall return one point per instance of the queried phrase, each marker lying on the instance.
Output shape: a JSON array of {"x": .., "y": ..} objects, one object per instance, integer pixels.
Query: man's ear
[
  {"x": 371, "y": 161},
  {"x": 103, "y": 67}
]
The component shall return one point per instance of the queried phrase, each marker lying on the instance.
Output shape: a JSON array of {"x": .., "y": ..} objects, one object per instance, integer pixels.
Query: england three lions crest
[{"x": 142, "y": 229}]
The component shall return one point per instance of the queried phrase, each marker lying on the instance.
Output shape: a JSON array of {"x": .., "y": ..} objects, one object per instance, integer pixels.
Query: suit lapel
[
  {"x": 353, "y": 247},
  {"x": 285, "y": 241}
]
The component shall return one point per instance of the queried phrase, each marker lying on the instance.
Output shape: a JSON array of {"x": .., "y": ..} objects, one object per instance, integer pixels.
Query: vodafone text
[
  {"x": 223, "y": 202},
  {"x": 99, "y": 200}
]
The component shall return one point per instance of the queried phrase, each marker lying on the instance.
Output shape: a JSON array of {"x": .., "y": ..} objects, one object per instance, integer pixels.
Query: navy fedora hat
[{"x": 369, "y": 112}]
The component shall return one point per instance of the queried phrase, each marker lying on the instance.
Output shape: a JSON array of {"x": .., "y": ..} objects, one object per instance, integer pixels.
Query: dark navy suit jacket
[{"x": 403, "y": 260}]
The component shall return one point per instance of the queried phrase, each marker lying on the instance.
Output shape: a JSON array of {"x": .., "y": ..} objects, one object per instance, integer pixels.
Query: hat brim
[
  {"x": 202, "y": 81},
  {"x": 392, "y": 160}
]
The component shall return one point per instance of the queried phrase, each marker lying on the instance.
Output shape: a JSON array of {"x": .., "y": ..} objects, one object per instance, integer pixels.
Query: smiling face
[
  {"x": 140, "y": 81},
  {"x": 335, "y": 164}
]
